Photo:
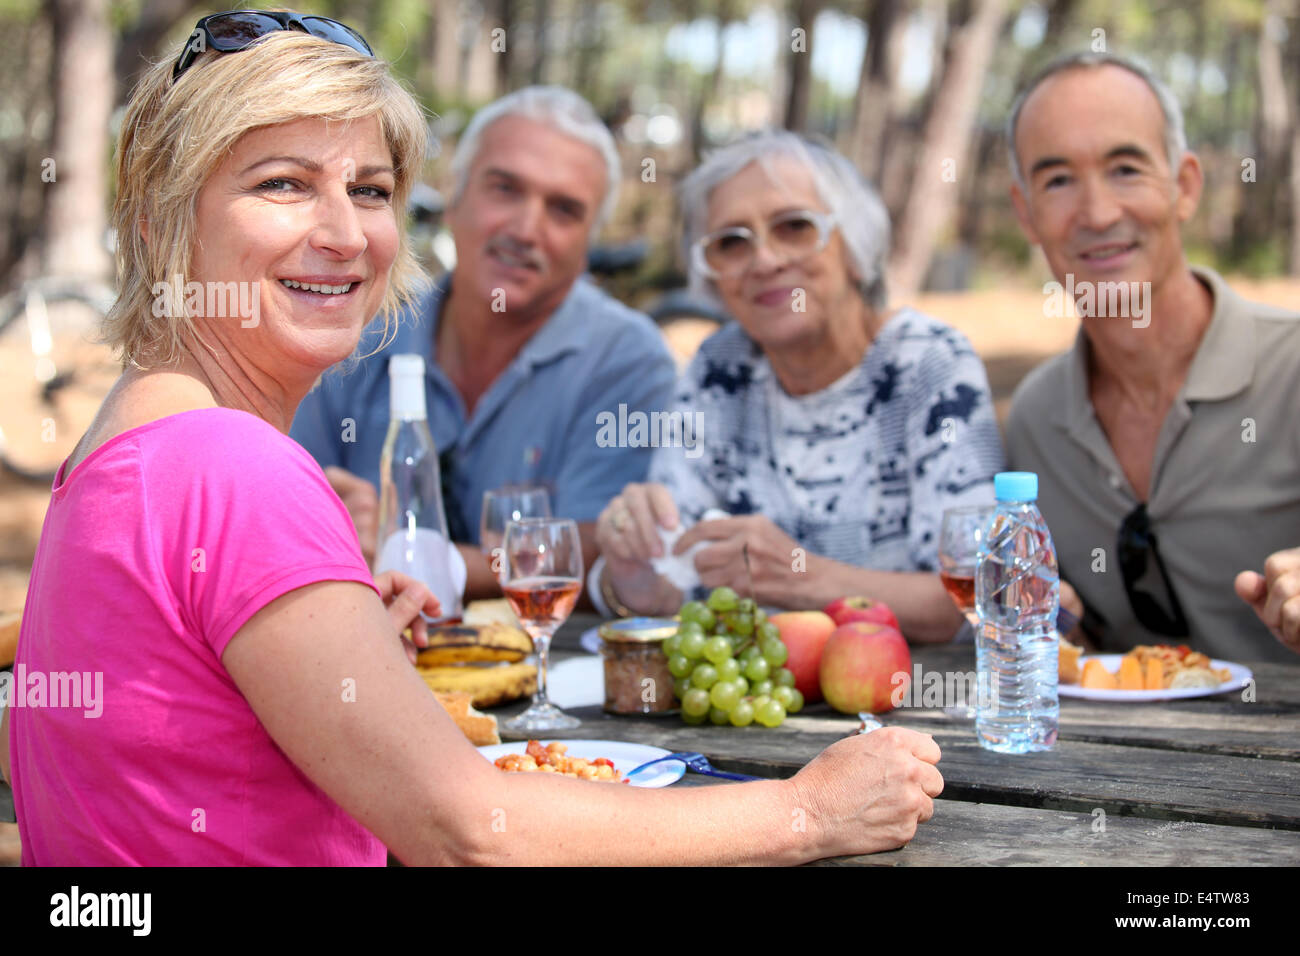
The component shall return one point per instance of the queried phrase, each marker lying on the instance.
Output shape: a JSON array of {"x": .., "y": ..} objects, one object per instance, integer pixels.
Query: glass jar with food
[{"x": 637, "y": 680}]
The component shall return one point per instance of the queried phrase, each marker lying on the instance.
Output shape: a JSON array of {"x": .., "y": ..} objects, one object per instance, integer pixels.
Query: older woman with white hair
[
  {"x": 832, "y": 432},
  {"x": 252, "y": 703}
]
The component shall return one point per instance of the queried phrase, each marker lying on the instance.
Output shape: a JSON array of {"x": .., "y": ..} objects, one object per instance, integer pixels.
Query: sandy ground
[{"x": 1006, "y": 326}]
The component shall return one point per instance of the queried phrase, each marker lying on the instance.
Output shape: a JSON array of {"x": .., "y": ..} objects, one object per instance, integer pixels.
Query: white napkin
[{"x": 679, "y": 569}]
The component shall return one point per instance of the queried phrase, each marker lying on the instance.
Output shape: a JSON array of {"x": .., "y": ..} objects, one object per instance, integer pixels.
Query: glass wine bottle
[{"x": 412, "y": 523}]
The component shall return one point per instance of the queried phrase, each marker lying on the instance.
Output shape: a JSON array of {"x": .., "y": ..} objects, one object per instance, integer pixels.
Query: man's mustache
[{"x": 518, "y": 250}]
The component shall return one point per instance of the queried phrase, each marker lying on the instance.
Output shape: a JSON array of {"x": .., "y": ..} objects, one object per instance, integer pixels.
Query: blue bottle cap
[{"x": 1015, "y": 486}]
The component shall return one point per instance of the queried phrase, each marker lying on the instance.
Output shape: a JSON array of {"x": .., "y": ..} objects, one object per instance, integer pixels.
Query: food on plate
[
  {"x": 471, "y": 644},
  {"x": 487, "y": 686},
  {"x": 1096, "y": 677},
  {"x": 496, "y": 611},
  {"x": 551, "y": 758},
  {"x": 728, "y": 662},
  {"x": 1130, "y": 673},
  {"x": 481, "y": 729},
  {"x": 9, "y": 624},
  {"x": 849, "y": 609},
  {"x": 1067, "y": 662},
  {"x": 859, "y": 664},
  {"x": 1153, "y": 667},
  {"x": 805, "y": 634}
]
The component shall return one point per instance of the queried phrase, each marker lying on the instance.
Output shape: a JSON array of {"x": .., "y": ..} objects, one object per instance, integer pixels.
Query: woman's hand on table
[
  {"x": 869, "y": 792},
  {"x": 627, "y": 533},
  {"x": 404, "y": 597},
  {"x": 749, "y": 554}
]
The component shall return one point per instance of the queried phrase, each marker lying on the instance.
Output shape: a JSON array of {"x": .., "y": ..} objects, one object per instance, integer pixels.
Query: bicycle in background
[{"x": 53, "y": 375}]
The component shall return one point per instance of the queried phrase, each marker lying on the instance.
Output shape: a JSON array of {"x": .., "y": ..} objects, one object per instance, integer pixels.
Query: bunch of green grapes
[{"x": 726, "y": 660}]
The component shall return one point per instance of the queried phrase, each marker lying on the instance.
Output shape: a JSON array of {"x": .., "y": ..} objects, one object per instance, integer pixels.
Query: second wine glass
[
  {"x": 500, "y": 507},
  {"x": 541, "y": 575},
  {"x": 960, "y": 537}
]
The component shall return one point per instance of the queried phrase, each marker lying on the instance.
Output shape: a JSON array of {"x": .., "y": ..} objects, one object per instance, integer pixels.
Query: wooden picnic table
[{"x": 1211, "y": 780}]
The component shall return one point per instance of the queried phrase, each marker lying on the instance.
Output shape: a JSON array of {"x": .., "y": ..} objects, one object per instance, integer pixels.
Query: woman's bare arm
[{"x": 321, "y": 669}]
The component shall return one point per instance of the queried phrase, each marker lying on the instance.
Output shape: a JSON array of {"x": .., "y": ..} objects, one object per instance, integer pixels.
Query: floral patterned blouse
[{"x": 859, "y": 472}]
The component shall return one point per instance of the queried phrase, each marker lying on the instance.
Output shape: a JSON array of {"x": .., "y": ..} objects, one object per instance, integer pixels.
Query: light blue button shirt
[{"x": 536, "y": 424}]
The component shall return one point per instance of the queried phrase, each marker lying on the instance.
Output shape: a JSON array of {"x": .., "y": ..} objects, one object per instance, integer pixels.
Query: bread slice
[
  {"x": 480, "y": 728},
  {"x": 496, "y": 611},
  {"x": 1067, "y": 665}
]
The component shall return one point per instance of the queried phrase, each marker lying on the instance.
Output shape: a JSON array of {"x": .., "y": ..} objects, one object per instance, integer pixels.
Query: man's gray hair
[
  {"x": 1175, "y": 135},
  {"x": 563, "y": 111},
  {"x": 859, "y": 213}
]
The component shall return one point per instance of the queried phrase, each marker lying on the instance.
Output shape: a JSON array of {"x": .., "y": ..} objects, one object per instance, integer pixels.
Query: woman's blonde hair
[{"x": 174, "y": 137}]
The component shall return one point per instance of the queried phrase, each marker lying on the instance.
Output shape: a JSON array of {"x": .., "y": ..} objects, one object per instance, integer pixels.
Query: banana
[
  {"x": 484, "y": 643},
  {"x": 487, "y": 686}
]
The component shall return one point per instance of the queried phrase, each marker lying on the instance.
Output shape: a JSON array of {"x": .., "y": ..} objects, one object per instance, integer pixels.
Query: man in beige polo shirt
[{"x": 1167, "y": 440}]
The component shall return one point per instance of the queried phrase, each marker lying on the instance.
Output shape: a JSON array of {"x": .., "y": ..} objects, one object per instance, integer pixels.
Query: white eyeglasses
[{"x": 794, "y": 235}]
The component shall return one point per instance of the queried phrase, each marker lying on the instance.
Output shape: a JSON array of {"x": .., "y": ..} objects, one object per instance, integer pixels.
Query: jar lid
[{"x": 638, "y": 629}]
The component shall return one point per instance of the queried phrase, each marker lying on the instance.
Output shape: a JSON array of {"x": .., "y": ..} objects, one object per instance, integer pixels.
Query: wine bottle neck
[{"x": 406, "y": 398}]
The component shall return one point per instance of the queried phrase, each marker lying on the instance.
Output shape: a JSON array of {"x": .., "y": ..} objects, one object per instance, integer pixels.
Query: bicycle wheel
[{"x": 53, "y": 377}]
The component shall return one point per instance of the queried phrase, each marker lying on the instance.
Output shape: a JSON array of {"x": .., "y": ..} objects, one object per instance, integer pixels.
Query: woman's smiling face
[
  {"x": 299, "y": 218},
  {"x": 782, "y": 303}
]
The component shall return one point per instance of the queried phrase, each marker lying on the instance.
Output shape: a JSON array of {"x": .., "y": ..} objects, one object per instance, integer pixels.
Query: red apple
[
  {"x": 859, "y": 664},
  {"x": 804, "y": 634},
  {"x": 849, "y": 609}
]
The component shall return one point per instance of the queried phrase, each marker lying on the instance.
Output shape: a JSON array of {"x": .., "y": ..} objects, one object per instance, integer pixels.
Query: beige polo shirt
[{"x": 1225, "y": 488}]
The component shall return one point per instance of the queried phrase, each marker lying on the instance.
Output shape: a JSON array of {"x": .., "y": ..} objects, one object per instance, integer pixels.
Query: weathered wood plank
[
  {"x": 986, "y": 834},
  {"x": 981, "y": 834},
  {"x": 1077, "y": 776}
]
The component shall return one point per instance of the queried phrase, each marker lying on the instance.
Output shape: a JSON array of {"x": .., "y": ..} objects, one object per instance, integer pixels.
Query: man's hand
[
  {"x": 1275, "y": 595},
  {"x": 1071, "y": 602},
  {"x": 405, "y": 598},
  {"x": 362, "y": 501},
  {"x": 744, "y": 551}
]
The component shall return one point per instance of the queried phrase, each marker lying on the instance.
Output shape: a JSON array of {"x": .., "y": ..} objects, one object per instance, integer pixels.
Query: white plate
[
  {"x": 626, "y": 757},
  {"x": 1240, "y": 676}
]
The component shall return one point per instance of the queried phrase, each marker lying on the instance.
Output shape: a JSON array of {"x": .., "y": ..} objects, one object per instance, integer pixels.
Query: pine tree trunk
[
  {"x": 799, "y": 64},
  {"x": 876, "y": 107},
  {"x": 76, "y": 215},
  {"x": 945, "y": 146}
]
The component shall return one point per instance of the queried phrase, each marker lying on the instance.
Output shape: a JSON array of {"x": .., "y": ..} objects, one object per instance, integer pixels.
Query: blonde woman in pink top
[{"x": 252, "y": 702}]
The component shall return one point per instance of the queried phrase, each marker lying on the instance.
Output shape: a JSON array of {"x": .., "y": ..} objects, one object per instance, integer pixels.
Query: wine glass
[
  {"x": 960, "y": 537},
  {"x": 500, "y": 507},
  {"x": 541, "y": 575}
]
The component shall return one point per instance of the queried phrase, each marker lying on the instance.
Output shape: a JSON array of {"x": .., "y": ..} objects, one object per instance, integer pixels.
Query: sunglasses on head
[
  {"x": 236, "y": 30},
  {"x": 1146, "y": 582}
]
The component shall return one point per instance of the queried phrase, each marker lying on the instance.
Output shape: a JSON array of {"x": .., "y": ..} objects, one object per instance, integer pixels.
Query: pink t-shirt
[{"x": 163, "y": 542}]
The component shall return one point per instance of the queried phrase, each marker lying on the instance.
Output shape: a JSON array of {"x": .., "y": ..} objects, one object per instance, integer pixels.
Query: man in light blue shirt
[{"x": 524, "y": 359}]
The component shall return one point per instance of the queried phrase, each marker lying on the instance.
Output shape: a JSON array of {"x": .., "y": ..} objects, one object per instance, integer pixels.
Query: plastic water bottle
[
  {"x": 1017, "y": 590},
  {"x": 412, "y": 524}
]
